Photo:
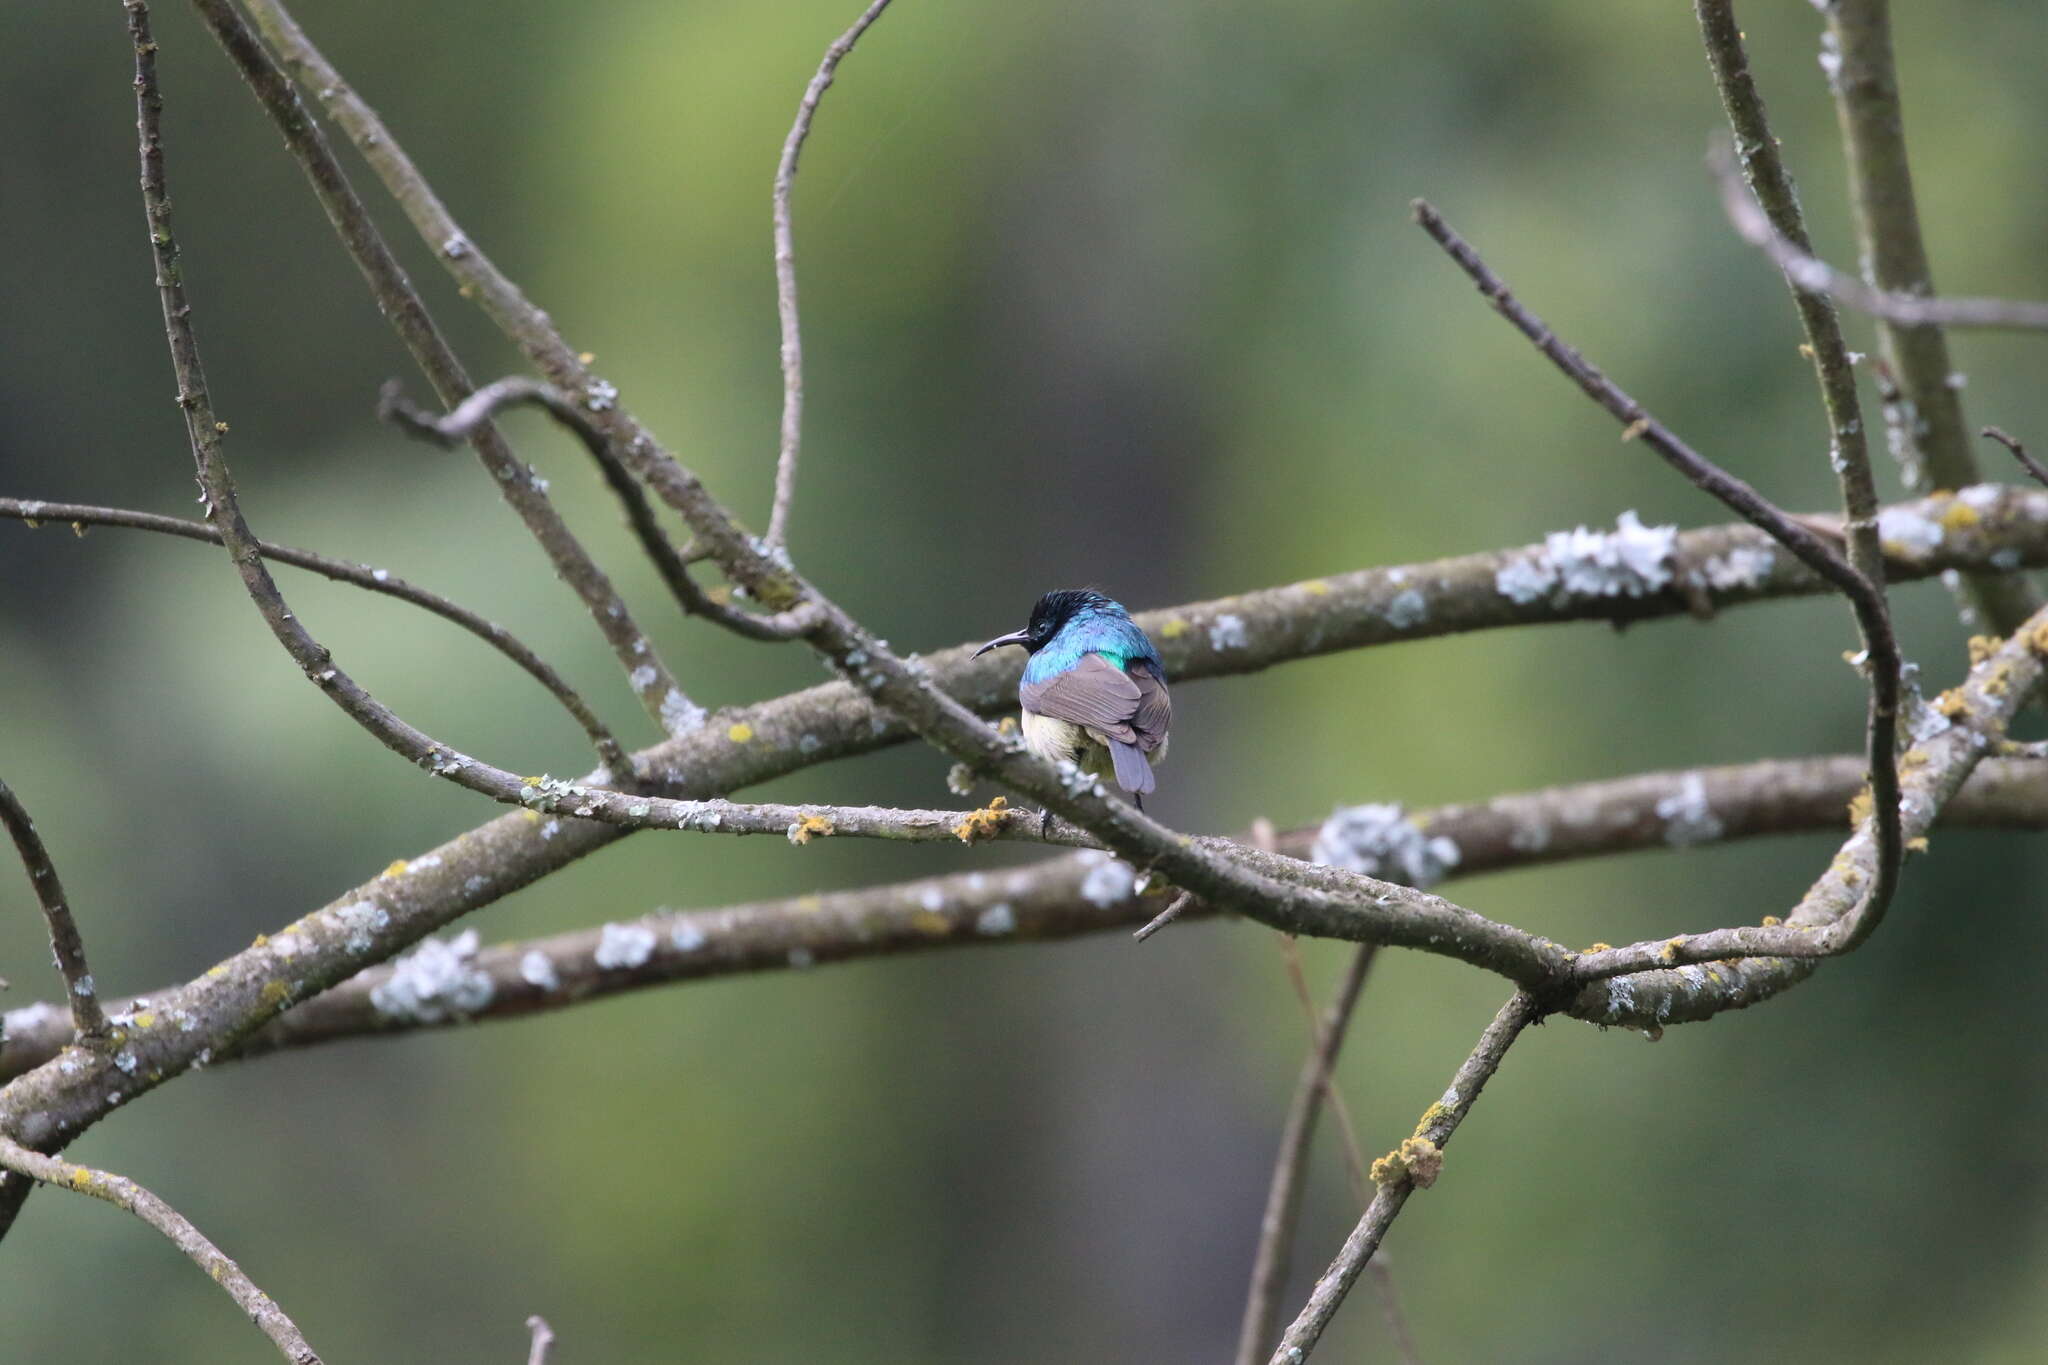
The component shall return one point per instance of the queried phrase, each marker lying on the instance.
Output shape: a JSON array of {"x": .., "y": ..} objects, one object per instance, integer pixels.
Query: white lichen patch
[
  {"x": 1632, "y": 560},
  {"x": 960, "y": 780},
  {"x": 1908, "y": 531},
  {"x": 680, "y": 715},
  {"x": 623, "y": 945},
  {"x": 1228, "y": 632},
  {"x": 1109, "y": 882},
  {"x": 999, "y": 919},
  {"x": 1409, "y": 608},
  {"x": 1379, "y": 840},
  {"x": 357, "y": 922},
  {"x": 687, "y": 937},
  {"x": 1745, "y": 566},
  {"x": 537, "y": 969},
  {"x": 642, "y": 677},
  {"x": 1687, "y": 817},
  {"x": 437, "y": 980},
  {"x": 932, "y": 899},
  {"x": 431, "y": 860}
]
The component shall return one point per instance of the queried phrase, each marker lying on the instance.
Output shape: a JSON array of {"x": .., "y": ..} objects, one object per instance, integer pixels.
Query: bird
[{"x": 1094, "y": 688}]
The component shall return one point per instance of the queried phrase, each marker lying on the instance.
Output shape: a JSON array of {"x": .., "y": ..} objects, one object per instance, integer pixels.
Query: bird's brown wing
[
  {"x": 1094, "y": 693},
  {"x": 1155, "y": 707}
]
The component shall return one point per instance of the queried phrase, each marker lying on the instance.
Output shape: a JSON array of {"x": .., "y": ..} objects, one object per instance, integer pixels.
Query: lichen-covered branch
[
  {"x": 1414, "y": 1165},
  {"x": 78, "y": 516},
  {"x": 1648, "y": 984},
  {"x": 67, "y": 945},
  {"x": 124, "y": 1193},
  {"x": 1857, "y": 55},
  {"x": 1882, "y": 664},
  {"x": 1079, "y": 894}
]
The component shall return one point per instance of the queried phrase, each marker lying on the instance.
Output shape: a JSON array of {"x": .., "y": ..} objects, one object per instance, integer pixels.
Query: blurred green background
[{"x": 1112, "y": 293}]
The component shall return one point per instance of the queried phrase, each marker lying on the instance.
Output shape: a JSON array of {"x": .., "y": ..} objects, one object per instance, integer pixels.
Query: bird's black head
[{"x": 1048, "y": 614}]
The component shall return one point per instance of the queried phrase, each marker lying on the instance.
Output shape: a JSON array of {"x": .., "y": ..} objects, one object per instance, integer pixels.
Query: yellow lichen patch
[
  {"x": 274, "y": 992},
  {"x": 722, "y": 594},
  {"x": 1436, "y": 1113},
  {"x": 1316, "y": 587},
  {"x": 1671, "y": 949},
  {"x": 1983, "y": 647},
  {"x": 2038, "y": 640},
  {"x": 1960, "y": 516},
  {"x": 1952, "y": 703},
  {"x": 1772, "y": 921},
  {"x": 1599, "y": 947},
  {"x": 1915, "y": 757},
  {"x": 146, "y": 1019},
  {"x": 1860, "y": 807},
  {"x": 931, "y": 924},
  {"x": 398, "y": 869},
  {"x": 810, "y": 905},
  {"x": 1417, "y": 1159},
  {"x": 260, "y": 941},
  {"x": 807, "y": 828},
  {"x": 532, "y": 816},
  {"x": 740, "y": 733},
  {"x": 1007, "y": 725},
  {"x": 1918, "y": 845},
  {"x": 81, "y": 1178},
  {"x": 217, "y": 971},
  {"x": 1173, "y": 629},
  {"x": 985, "y": 823}
]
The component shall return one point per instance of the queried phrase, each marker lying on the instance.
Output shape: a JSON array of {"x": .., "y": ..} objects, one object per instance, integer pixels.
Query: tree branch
[
  {"x": 400, "y": 303},
  {"x": 1056, "y": 899},
  {"x": 67, "y": 945},
  {"x": 785, "y": 274},
  {"x": 609, "y": 754},
  {"x": 124, "y": 1193},
  {"x": 1866, "y": 597},
  {"x": 2035, "y": 469},
  {"x": 1283, "y": 1192},
  {"x": 1862, "y": 79},
  {"x": 1414, "y": 1164}
]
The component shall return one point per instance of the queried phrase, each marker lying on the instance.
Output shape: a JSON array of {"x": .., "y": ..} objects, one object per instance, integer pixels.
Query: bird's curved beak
[{"x": 1015, "y": 637}]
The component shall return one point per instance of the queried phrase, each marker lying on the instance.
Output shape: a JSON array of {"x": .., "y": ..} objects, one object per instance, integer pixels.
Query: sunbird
[{"x": 1094, "y": 690}]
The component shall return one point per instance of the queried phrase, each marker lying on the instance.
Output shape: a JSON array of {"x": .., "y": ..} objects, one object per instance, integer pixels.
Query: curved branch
[
  {"x": 67, "y": 945},
  {"x": 396, "y": 298},
  {"x": 609, "y": 754},
  {"x": 124, "y": 1193},
  {"x": 785, "y": 274}
]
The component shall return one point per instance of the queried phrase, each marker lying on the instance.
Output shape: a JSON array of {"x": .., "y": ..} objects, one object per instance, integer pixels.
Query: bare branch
[
  {"x": 2019, "y": 452},
  {"x": 124, "y": 1193},
  {"x": 1165, "y": 917},
  {"x": 1813, "y": 276},
  {"x": 88, "y": 1021},
  {"x": 1764, "y": 166},
  {"x": 1283, "y": 1193},
  {"x": 785, "y": 274},
  {"x": 460, "y": 424},
  {"x": 1865, "y": 86},
  {"x": 1866, "y": 597},
  {"x": 396, "y": 298},
  {"x": 1414, "y": 1164},
  {"x": 609, "y": 754}
]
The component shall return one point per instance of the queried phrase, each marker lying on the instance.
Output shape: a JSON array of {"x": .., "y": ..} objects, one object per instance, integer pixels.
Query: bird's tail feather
[{"x": 1133, "y": 773}]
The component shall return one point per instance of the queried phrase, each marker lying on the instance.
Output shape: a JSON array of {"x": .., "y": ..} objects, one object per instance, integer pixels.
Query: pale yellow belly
[{"x": 1052, "y": 739}]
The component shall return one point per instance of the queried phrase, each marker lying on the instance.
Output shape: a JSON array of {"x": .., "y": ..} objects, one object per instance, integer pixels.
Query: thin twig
[
  {"x": 785, "y": 274},
  {"x": 480, "y": 407},
  {"x": 401, "y": 304},
  {"x": 124, "y": 1193},
  {"x": 1165, "y": 917},
  {"x": 1866, "y": 598},
  {"x": 1812, "y": 275},
  {"x": 1283, "y": 1192},
  {"x": 88, "y": 1021},
  {"x": 1414, "y": 1164},
  {"x": 543, "y": 1340},
  {"x": 609, "y": 754},
  {"x": 2019, "y": 452}
]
